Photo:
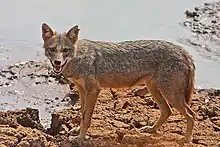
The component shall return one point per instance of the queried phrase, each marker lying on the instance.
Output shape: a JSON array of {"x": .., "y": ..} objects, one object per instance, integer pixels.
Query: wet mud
[{"x": 203, "y": 22}]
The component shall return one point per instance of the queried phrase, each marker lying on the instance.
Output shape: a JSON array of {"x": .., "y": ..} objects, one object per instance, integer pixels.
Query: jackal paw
[
  {"x": 73, "y": 141},
  {"x": 75, "y": 131},
  {"x": 148, "y": 129},
  {"x": 79, "y": 141},
  {"x": 185, "y": 140}
]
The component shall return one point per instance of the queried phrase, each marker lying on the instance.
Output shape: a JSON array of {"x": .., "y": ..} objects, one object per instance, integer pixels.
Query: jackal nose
[{"x": 57, "y": 62}]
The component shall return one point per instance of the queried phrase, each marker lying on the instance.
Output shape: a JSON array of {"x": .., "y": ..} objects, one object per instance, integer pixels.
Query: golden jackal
[{"x": 166, "y": 69}]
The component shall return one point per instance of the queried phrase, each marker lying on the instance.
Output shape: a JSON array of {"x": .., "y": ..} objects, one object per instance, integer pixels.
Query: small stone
[
  {"x": 7, "y": 84},
  {"x": 123, "y": 103},
  {"x": 120, "y": 133},
  {"x": 206, "y": 4},
  {"x": 141, "y": 92},
  {"x": 195, "y": 19},
  {"x": 196, "y": 141},
  {"x": 13, "y": 124},
  {"x": 64, "y": 128},
  {"x": 126, "y": 104},
  {"x": 216, "y": 128},
  {"x": 150, "y": 102},
  {"x": 37, "y": 143},
  {"x": 215, "y": 118},
  {"x": 206, "y": 100},
  {"x": 212, "y": 112},
  {"x": 200, "y": 118},
  {"x": 119, "y": 124},
  {"x": 191, "y": 14},
  {"x": 23, "y": 144},
  {"x": 47, "y": 103},
  {"x": 138, "y": 124},
  {"x": 214, "y": 21},
  {"x": 196, "y": 8}
]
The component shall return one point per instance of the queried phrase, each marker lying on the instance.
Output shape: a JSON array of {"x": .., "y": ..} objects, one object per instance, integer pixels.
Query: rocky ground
[
  {"x": 116, "y": 121},
  {"x": 204, "y": 22}
]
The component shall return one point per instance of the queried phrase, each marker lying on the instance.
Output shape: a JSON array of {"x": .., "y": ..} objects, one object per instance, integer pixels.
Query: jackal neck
[{"x": 70, "y": 68}]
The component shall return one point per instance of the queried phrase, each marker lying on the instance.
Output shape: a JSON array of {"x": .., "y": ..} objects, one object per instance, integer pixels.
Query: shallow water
[{"x": 20, "y": 27}]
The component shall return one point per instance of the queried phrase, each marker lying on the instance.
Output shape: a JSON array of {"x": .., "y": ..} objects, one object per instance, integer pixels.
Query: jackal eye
[
  {"x": 52, "y": 49},
  {"x": 66, "y": 50}
]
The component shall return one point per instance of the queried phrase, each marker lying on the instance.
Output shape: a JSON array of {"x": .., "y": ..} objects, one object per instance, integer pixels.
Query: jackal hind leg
[
  {"x": 178, "y": 102},
  {"x": 172, "y": 86},
  {"x": 163, "y": 105}
]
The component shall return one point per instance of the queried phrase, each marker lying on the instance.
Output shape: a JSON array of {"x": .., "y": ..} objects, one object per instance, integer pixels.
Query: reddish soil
[{"x": 116, "y": 121}]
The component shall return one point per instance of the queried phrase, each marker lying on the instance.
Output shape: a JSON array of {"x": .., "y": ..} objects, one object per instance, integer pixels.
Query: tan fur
[
  {"x": 190, "y": 86},
  {"x": 165, "y": 68}
]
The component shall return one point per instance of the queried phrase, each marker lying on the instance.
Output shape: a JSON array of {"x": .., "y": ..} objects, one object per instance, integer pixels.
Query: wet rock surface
[
  {"x": 33, "y": 84},
  {"x": 203, "y": 21}
]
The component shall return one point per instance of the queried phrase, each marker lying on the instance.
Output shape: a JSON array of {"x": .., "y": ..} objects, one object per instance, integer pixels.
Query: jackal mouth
[{"x": 58, "y": 68}]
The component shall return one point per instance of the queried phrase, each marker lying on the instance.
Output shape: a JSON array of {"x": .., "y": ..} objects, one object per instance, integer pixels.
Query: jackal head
[{"x": 59, "y": 48}]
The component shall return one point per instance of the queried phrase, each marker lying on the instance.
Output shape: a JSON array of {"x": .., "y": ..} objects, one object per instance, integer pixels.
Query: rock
[
  {"x": 23, "y": 144},
  {"x": 126, "y": 104},
  {"x": 191, "y": 14},
  {"x": 150, "y": 102},
  {"x": 66, "y": 117},
  {"x": 215, "y": 93},
  {"x": 214, "y": 21},
  {"x": 212, "y": 111},
  {"x": 123, "y": 103},
  {"x": 141, "y": 92},
  {"x": 27, "y": 117},
  {"x": 120, "y": 132},
  {"x": 119, "y": 124}
]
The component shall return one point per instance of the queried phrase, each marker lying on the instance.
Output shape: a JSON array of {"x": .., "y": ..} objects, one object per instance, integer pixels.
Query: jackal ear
[
  {"x": 73, "y": 33},
  {"x": 47, "y": 32}
]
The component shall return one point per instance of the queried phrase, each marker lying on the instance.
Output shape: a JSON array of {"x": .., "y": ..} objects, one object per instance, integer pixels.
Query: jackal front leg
[
  {"x": 89, "y": 105},
  {"x": 82, "y": 94}
]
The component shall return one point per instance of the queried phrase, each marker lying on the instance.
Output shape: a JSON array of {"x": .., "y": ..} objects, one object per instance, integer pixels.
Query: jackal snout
[{"x": 57, "y": 62}]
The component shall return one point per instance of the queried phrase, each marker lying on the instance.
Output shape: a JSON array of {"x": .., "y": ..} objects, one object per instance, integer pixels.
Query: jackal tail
[{"x": 190, "y": 86}]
